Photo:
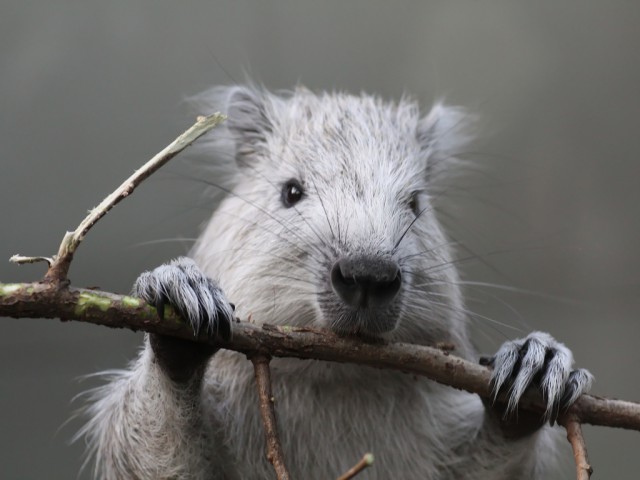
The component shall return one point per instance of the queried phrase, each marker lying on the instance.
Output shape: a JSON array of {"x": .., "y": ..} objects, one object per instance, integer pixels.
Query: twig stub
[
  {"x": 365, "y": 461},
  {"x": 21, "y": 259}
]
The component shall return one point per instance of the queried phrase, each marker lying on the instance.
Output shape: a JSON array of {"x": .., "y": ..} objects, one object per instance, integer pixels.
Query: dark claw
[
  {"x": 574, "y": 387},
  {"x": 537, "y": 361},
  {"x": 487, "y": 361},
  {"x": 159, "y": 304},
  {"x": 194, "y": 297},
  {"x": 554, "y": 412},
  {"x": 565, "y": 401},
  {"x": 224, "y": 330}
]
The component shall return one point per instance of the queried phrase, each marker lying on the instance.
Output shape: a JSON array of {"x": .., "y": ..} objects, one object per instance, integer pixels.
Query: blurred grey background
[{"x": 549, "y": 209}]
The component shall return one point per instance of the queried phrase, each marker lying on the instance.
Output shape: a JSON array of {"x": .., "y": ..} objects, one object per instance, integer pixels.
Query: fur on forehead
[{"x": 260, "y": 121}]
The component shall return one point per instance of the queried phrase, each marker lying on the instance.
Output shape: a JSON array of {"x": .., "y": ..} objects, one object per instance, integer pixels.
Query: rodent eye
[
  {"x": 414, "y": 203},
  {"x": 291, "y": 193}
]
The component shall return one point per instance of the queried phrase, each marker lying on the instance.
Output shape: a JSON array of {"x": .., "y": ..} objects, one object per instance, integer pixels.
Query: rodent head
[{"x": 329, "y": 218}]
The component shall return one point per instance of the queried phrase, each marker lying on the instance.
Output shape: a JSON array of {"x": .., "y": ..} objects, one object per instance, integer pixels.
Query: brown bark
[
  {"x": 574, "y": 435},
  {"x": 275, "y": 454},
  {"x": 365, "y": 461}
]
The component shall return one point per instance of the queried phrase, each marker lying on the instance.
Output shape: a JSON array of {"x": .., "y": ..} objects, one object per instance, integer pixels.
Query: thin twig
[
  {"x": 59, "y": 269},
  {"x": 574, "y": 434},
  {"x": 38, "y": 300},
  {"x": 366, "y": 461},
  {"x": 275, "y": 454},
  {"x": 21, "y": 259}
]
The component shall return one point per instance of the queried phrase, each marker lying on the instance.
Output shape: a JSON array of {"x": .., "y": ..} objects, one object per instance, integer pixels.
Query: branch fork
[{"x": 60, "y": 263}]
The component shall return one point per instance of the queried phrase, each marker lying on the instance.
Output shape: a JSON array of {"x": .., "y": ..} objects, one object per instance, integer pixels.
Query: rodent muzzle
[{"x": 366, "y": 281}]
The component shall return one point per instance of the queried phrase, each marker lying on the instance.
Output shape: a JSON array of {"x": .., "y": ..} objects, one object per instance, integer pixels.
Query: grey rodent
[{"x": 327, "y": 222}]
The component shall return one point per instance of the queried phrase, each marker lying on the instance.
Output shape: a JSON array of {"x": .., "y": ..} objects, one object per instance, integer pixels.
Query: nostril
[
  {"x": 384, "y": 292},
  {"x": 344, "y": 286},
  {"x": 343, "y": 275},
  {"x": 365, "y": 281}
]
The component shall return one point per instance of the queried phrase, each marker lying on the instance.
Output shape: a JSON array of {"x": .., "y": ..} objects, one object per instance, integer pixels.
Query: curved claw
[
  {"x": 159, "y": 304},
  {"x": 193, "y": 295},
  {"x": 224, "y": 330},
  {"x": 554, "y": 378},
  {"x": 533, "y": 354},
  {"x": 579, "y": 382},
  {"x": 552, "y": 413},
  {"x": 504, "y": 363},
  {"x": 542, "y": 361}
]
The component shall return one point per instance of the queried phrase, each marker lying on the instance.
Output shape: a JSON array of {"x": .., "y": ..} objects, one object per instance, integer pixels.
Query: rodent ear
[
  {"x": 441, "y": 136},
  {"x": 248, "y": 121}
]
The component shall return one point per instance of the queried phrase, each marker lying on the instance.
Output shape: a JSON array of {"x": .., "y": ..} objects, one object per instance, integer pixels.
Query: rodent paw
[
  {"x": 542, "y": 361},
  {"x": 193, "y": 295}
]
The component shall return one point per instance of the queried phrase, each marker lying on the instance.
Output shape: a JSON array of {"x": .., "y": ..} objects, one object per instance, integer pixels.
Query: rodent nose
[{"x": 366, "y": 281}]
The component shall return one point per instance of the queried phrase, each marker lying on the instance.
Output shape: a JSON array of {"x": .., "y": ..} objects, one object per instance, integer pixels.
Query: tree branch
[
  {"x": 574, "y": 434},
  {"x": 42, "y": 300},
  {"x": 268, "y": 414},
  {"x": 59, "y": 265}
]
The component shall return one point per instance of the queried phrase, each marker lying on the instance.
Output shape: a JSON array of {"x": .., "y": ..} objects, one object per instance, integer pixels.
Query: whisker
[
  {"x": 411, "y": 225},
  {"x": 322, "y": 240},
  {"x": 254, "y": 223},
  {"x": 469, "y": 313},
  {"x": 260, "y": 209},
  {"x": 429, "y": 250},
  {"x": 326, "y": 215},
  {"x": 163, "y": 240}
]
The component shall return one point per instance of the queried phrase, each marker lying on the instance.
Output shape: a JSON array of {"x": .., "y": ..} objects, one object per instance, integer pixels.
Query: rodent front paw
[
  {"x": 538, "y": 360},
  {"x": 193, "y": 295}
]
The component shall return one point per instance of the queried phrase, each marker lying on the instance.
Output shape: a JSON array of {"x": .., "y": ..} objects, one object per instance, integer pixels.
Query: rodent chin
[{"x": 365, "y": 323}]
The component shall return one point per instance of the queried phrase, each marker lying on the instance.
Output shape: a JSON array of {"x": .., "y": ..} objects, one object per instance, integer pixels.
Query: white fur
[
  {"x": 361, "y": 161},
  {"x": 142, "y": 407}
]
